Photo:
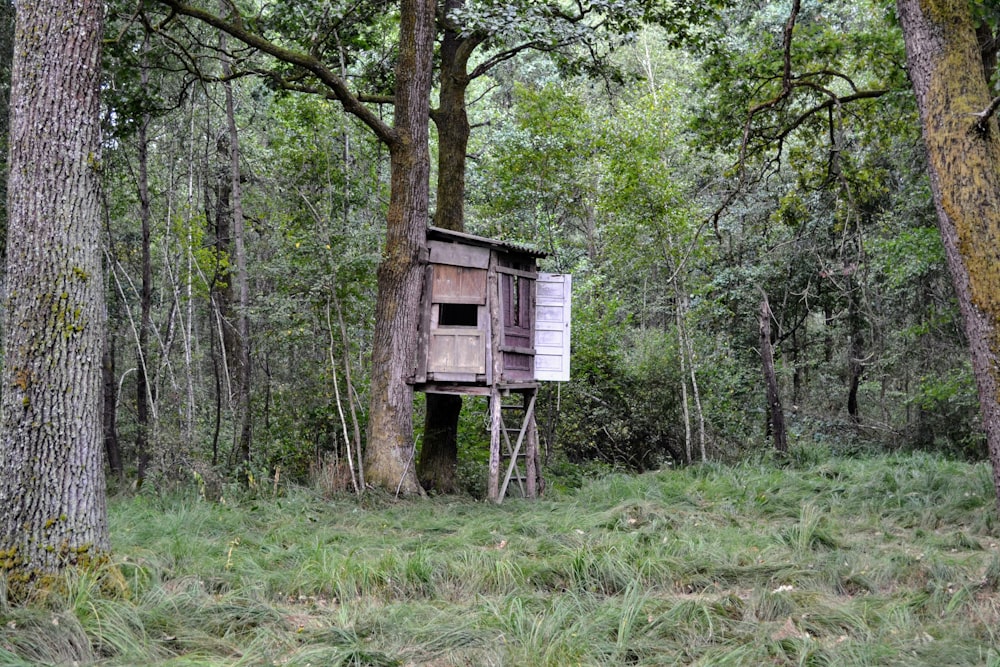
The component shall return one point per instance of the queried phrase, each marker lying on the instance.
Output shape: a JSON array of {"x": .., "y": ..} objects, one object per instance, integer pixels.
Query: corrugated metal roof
[{"x": 439, "y": 234}]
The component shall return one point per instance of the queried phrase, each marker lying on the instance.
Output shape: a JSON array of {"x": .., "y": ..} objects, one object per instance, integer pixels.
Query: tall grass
[{"x": 811, "y": 561}]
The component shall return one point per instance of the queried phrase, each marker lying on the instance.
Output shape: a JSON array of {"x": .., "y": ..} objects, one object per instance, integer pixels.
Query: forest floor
[{"x": 888, "y": 560}]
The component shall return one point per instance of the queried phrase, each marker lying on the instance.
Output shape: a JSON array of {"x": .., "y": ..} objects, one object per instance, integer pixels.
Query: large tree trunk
[
  {"x": 963, "y": 150},
  {"x": 855, "y": 352},
  {"x": 452, "y": 122},
  {"x": 6, "y": 56},
  {"x": 389, "y": 456},
  {"x": 52, "y": 487},
  {"x": 390, "y": 451},
  {"x": 439, "y": 451}
]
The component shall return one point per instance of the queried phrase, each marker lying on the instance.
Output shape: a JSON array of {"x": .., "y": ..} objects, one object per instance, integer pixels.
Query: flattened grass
[{"x": 879, "y": 561}]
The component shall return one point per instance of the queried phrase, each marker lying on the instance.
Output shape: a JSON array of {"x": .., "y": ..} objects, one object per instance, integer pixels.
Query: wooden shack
[{"x": 492, "y": 325}]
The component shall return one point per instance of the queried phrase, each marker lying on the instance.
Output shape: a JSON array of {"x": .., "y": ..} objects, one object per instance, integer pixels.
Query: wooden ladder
[{"x": 517, "y": 445}]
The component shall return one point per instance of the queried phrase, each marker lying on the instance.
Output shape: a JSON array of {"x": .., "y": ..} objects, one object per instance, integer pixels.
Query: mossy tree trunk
[
  {"x": 389, "y": 458},
  {"x": 439, "y": 451},
  {"x": 963, "y": 148},
  {"x": 52, "y": 487}
]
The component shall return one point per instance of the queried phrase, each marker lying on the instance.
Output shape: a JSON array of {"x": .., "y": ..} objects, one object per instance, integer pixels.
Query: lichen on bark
[
  {"x": 52, "y": 494},
  {"x": 948, "y": 77}
]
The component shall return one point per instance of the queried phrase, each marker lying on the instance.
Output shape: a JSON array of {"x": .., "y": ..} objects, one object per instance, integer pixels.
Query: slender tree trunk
[
  {"x": 963, "y": 149},
  {"x": 189, "y": 412},
  {"x": 348, "y": 445},
  {"x": 52, "y": 486},
  {"x": 240, "y": 363},
  {"x": 685, "y": 407},
  {"x": 696, "y": 393},
  {"x": 355, "y": 426},
  {"x": 217, "y": 371},
  {"x": 142, "y": 389},
  {"x": 855, "y": 354},
  {"x": 688, "y": 372},
  {"x": 112, "y": 448},
  {"x": 389, "y": 457},
  {"x": 776, "y": 414},
  {"x": 358, "y": 441},
  {"x": 798, "y": 368},
  {"x": 217, "y": 190},
  {"x": 224, "y": 294}
]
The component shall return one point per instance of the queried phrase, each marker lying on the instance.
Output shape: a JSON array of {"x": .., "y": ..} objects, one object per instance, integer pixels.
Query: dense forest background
[{"x": 245, "y": 217}]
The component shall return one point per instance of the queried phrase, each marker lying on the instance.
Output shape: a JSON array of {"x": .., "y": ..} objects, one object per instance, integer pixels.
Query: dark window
[
  {"x": 458, "y": 315},
  {"x": 515, "y": 302}
]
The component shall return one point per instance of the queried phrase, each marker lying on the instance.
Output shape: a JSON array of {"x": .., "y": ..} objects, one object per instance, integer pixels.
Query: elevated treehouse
[{"x": 492, "y": 325}]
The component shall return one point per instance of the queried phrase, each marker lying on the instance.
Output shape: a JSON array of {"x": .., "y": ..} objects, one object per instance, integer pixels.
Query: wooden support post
[
  {"x": 495, "y": 372},
  {"x": 496, "y": 430},
  {"x": 532, "y": 448}
]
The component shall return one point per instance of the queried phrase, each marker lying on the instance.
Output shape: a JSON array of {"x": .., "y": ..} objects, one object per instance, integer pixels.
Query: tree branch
[
  {"x": 984, "y": 116},
  {"x": 786, "y": 81},
  {"x": 338, "y": 89},
  {"x": 778, "y": 133}
]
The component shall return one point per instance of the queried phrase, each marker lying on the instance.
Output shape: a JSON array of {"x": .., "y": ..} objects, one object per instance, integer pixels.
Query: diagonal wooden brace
[{"x": 529, "y": 412}]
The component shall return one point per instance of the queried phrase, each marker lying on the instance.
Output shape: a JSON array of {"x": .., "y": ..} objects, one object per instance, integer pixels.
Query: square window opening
[{"x": 458, "y": 315}]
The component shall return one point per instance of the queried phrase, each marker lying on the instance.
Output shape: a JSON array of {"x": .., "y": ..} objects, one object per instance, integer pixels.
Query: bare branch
[
  {"x": 833, "y": 101},
  {"x": 504, "y": 56},
  {"x": 983, "y": 116}
]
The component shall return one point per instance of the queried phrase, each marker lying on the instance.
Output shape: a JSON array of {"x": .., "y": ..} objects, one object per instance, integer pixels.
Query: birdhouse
[{"x": 492, "y": 325}]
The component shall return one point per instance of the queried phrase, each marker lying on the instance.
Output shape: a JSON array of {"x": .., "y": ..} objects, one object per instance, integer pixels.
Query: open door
[{"x": 552, "y": 326}]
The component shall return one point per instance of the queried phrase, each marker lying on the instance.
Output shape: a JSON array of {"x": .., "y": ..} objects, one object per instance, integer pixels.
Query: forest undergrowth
[{"x": 886, "y": 560}]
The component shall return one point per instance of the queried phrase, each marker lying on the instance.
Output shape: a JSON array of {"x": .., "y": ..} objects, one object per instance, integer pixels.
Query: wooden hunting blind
[{"x": 492, "y": 325}]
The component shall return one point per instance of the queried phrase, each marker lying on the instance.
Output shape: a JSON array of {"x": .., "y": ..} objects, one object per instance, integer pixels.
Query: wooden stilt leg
[
  {"x": 496, "y": 424},
  {"x": 531, "y": 455}
]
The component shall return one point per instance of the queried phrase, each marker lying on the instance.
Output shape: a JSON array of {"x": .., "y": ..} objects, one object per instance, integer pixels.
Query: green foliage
[
  {"x": 583, "y": 39},
  {"x": 909, "y": 255},
  {"x": 948, "y": 418},
  {"x": 611, "y": 144},
  {"x": 316, "y": 264},
  {"x": 621, "y": 408},
  {"x": 541, "y": 178}
]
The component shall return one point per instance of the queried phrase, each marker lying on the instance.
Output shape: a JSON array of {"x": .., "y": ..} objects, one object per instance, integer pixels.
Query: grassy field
[{"x": 876, "y": 561}]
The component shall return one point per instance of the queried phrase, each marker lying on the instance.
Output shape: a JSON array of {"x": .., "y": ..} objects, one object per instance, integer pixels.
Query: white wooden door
[{"x": 552, "y": 326}]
